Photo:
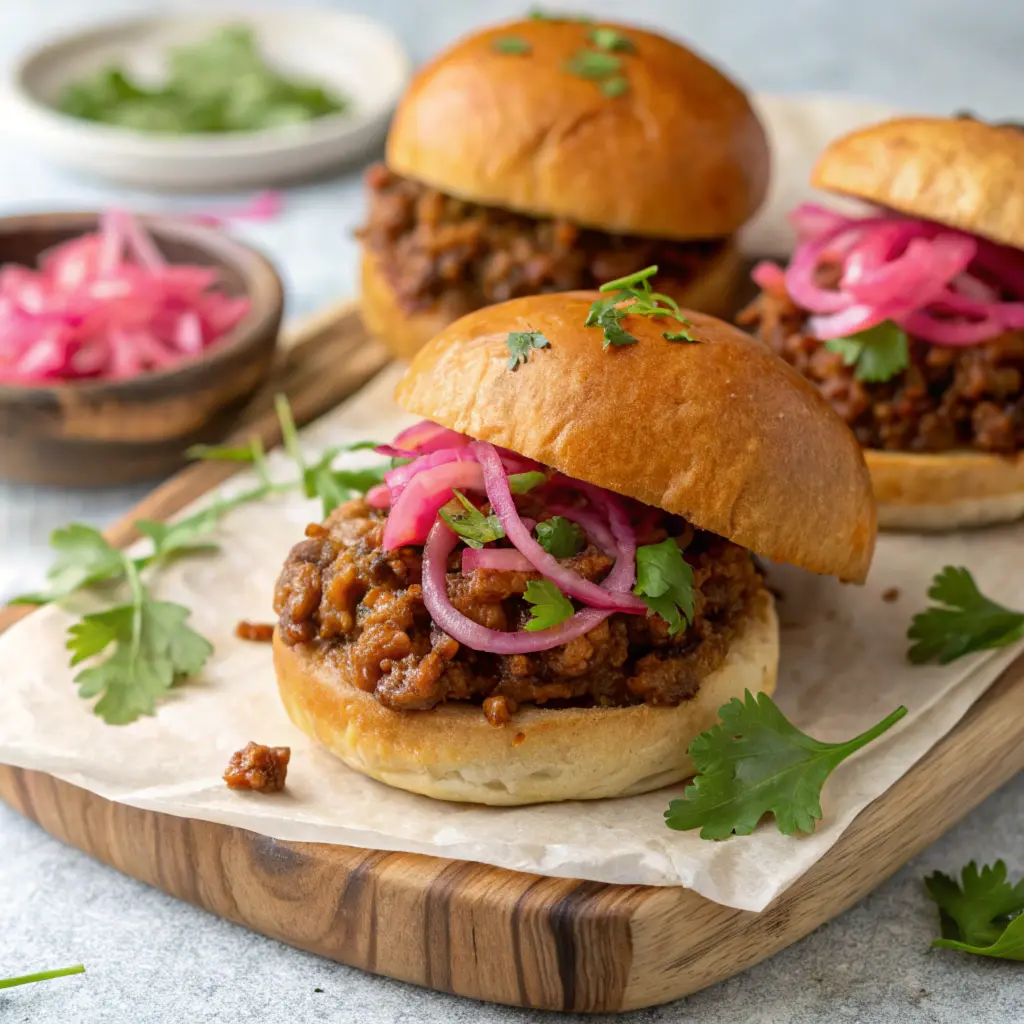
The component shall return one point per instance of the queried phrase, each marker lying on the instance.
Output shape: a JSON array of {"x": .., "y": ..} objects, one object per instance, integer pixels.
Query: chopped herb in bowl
[{"x": 222, "y": 84}]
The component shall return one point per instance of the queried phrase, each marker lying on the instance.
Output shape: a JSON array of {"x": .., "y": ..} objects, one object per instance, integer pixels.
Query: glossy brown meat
[{"x": 259, "y": 768}]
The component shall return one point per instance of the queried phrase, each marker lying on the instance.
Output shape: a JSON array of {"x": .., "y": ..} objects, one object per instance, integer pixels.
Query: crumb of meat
[
  {"x": 257, "y": 632},
  {"x": 259, "y": 768},
  {"x": 947, "y": 398},
  {"x": 518, "y": 738},
  {"x": 891, "y": 595},
  {"x": 365, "y": 607}
]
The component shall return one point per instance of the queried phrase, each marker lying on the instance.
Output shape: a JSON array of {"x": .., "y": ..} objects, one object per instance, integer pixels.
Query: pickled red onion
[
  {"x": 427, "y": 436},
  {"x": 501, "y": 559},
  {"x": 415, "y": 509}
]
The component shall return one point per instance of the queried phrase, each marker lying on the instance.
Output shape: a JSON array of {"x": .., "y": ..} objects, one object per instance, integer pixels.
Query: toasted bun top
[
  {"x": 721, "y": 432},
  {"x": 680, "y": 154},
  {"x": 960, "y": 172}
]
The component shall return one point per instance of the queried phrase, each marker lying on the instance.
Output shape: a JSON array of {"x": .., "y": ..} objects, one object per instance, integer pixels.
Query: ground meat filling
[
  {"x": 365, "y": 608},
  {"x": 436, "y": 250},
  {"x": 947, "y": 398}
]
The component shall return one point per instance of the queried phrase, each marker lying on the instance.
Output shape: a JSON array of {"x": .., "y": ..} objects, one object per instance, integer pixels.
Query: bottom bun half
[
  {"x": 452, "y": 753},
  {"x": 713, "y": 292},
  {"x": 946, "y": 491}
]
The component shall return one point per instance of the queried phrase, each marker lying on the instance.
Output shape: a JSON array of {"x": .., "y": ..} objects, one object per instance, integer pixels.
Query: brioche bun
[
  {"x": 451, "y": 752},
  {"x": 680, "y": 154},
  {"x": 406, "y": 333},
  {"x": 959, "y": 172},
  {"x": 947, "y": 490},
  {"x": 722, "y": 432}
]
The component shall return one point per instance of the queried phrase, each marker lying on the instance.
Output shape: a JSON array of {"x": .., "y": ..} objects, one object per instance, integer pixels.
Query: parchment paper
[{"x": 843, "y": 669}]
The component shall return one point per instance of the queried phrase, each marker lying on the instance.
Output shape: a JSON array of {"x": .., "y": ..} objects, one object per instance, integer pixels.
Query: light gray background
[{"x": 152, "y": 959}]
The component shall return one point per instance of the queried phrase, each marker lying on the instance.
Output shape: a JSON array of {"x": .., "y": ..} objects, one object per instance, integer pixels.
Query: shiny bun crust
[
  {"x": 712, "y": 291},
  {"x": 452, "y": 752},
  {"x": 681, "y": 154},
  {"x": 722, "y": 432},
  {"x": 946, "y": 491},
  {"x": 963, "y": 173}
]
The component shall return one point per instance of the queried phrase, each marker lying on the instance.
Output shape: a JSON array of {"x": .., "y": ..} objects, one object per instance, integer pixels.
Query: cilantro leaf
[
  {"x": 181, "y": 537},
  {"x": 335, "y": 486},
  {"x": 519, "y": 344},
  {"x": 682, "y": 335},
  {"x": 878, "y": 353},
  {"x": 664, "y": 579},
  {"x": 981, "y": 913},
  {"x": 615, "y": 87},
  {"x": 221, "y": 453},
  {"x": 539, "y": 14},
  {"x": 511, "y": 44},
  {"x": 593, "y": 64},
  {"x": 560, "y": 537},
  {"x": 755, "y": 762},
  {"x": 84, "y": 557},
  {"x": 473, "y": 526},
  {"x": 550, "y": 605},
  {"x": 610, "y": 322},
  {"x": 610, "y": 39},
  {"x": 632, "y": 295},
  {"x": 28, "y": 979},
  {"x": 521, "y": 483},
  {"x": 962, "y": 621}
]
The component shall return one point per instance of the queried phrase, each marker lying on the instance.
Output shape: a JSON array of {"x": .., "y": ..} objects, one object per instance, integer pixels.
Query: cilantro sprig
[
  {"x": 550, "y": 606},
  {"x": 137, "y": 648},
  {"x": 877, "y": 353},
  {"x": 512, "y": 45},
  {"x": 30, "y": 979},
  {"x": 522, "y": 483},
  {"x": 664, "y": 579},
  {"x": 756, "y": 762},
  {"x": 520, "y": 344},
  {"x": 961, "y": 621},
  {"x": 472, "y": 525},
  {"x": 633, "y": 296},
  {"x": 560, "y": 537},
  {"x": 610, "y": 39},
  {"x": 982, "y": 914}
]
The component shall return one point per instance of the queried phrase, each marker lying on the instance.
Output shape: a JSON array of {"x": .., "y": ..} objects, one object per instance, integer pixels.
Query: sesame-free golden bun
[
  {"x": 722, "y": 432},
  {"x": 963, "y": 173},
  {"x": 452, "y": 752},
  {"x": 711, "y": 290},
  {"x": 680, "y": 154}
]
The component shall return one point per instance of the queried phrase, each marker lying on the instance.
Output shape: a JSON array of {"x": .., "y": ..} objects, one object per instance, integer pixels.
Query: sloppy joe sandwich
[
  {"x": 910, "y": 319},
  {"x": 550, "y": 154},
  {"x": 556, "y": 588}
]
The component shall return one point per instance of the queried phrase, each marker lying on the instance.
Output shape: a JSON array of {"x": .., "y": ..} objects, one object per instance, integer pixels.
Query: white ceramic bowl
[{"x": 358, "y": 57}]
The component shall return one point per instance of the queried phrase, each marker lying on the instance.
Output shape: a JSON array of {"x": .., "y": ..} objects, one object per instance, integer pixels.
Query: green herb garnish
[
  {"x": 664, "y": 579},
  {"x": 29, "y": 979},
  {"x": 560, "y": 537},
  {"x": 511, "y": 44},
  {"x": 520, "y": 343},
  {"x": 633, "y": 296},
  {"x": 877, "y": 354},
  {"x": 614, "y": 87},
  {"x": 755, "y": 762},
  {"x": 539, "y": 14},
  {"x": 963, "y": 620},
  {"x": 521, "y": 483},
  {"x": 220, "y": 85},
  {"x": 982, "y": 914},
  {"x": 550, "y": 605},
  {"x": 595, "y": 64},
  {"x": 610, "y": 39},
  {"x": 472, "y": 525}
]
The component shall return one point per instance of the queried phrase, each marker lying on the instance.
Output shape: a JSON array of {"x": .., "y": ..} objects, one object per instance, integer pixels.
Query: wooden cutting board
[{"x": 468, "y": 928}]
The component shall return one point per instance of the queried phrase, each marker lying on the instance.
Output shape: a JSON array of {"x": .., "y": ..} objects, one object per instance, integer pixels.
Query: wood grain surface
[{"x": 485, "y": 932}]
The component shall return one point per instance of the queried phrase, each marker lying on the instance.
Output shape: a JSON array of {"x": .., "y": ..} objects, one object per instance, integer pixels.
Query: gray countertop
[{"x": 152, "y": 959}]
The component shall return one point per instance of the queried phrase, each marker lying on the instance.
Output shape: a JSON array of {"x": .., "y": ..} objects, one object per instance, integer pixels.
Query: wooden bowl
[{"x": 96, "y": 433}]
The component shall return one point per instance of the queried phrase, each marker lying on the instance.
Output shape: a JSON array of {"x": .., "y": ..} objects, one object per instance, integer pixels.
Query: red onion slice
[
  {"x": 570, "y": 582},
  {"x": 440, "y": 544},
  {"x": 378, "y": 496},
  {"x": 500, "y": 559},
  {"x": 427, "y": 436},
  {"x": 414, "y": 511},
  {"x": 397, "y": 453},
  {"x": 397, "y": 479}
]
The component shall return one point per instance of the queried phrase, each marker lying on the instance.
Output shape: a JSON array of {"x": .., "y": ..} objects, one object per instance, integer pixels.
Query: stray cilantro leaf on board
[
  {"x": 335, "y": 486},
  {"x": 664, "y": 579},
  {"x": 472, "y": 525},
  {"x": 521, "y": 343},
  {"x": 633, "y": 296},
  {"x": 961, "y": 621},
  {"x": 549, "y": 605},
  {"x": 511, "y": 44},
  {"x": 30, "y": 979},
  {"x": 877, "y": 354},
  {"x": 982, "y": 913},
  {"x": 610, "y": 39},
  {"x": 560, "y": 537},
  {"x": 521, "y": 483},
  {"x": 83, "y": 558},
  {"x": 755, "y": 762}
]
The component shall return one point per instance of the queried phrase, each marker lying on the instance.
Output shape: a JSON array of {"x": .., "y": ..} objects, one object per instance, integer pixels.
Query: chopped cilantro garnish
[
  {"x": 609, "y": 311},
  {"x": 664, "y": 579},
  {"x": 560, "y": 537},
  {"x": 520, "y": 483},
  {"x": 593, "y": 64},
  {"x": 877, "y": 354},
  {"x": 539, "y": 14},
  {"x": 550, "y": 605},
  {"x": 617, "y": 86},
  {"x": 520, "y": 343},
  {"x": 683, "y": 335},
  {"x": 511, "y": 44},
  {"x": 472, "y": 525},
  {"x": 610, "y": 39}
]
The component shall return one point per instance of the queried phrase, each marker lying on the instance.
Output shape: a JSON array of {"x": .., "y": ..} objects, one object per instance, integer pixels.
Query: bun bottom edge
[
  {"x": 934, "y": 492},
  {"x": 452, "y": 753}
]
